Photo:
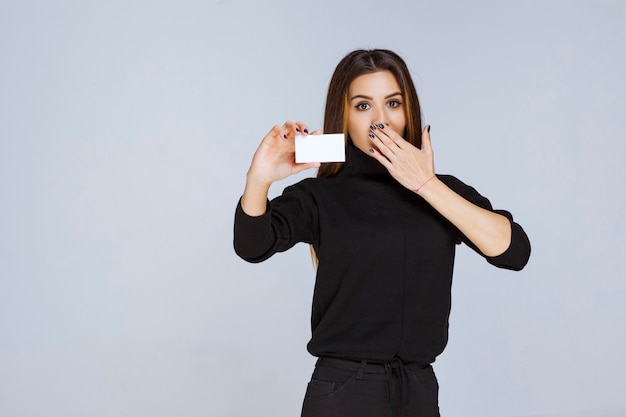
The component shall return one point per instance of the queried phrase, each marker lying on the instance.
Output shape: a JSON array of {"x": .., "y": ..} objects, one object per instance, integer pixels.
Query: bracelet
[{"x": 425, "y": 182}]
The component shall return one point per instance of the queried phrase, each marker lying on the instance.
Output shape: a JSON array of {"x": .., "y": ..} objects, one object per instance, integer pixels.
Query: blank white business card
[{"x": 321, "y": 148}]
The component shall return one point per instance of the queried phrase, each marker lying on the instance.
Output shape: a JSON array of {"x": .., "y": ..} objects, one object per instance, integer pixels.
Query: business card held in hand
[{"x": 320, "y": 148}]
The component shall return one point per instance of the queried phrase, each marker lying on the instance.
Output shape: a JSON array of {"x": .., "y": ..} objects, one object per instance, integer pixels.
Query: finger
[
  {"x": 276, "y": 132},
  {"x": 376, "y": 154},
  {"x": 383, "y": 142},
  {"x": 304, "y": 166},
  {"x": 279, "y": 132},
  {"x": 290, "y": 129},
  {"x": 316, "y": 132},
  {"x": 302, "y": 128},
  {"x": 398, "y": 140}
]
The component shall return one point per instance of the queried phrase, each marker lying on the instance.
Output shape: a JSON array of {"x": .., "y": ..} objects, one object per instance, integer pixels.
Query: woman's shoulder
[
  {"x": 314, "y": 189},
  {"x": 307, "y": 186}
]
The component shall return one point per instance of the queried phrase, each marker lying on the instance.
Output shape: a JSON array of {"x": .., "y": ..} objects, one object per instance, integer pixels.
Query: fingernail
[
  {"x": 371, "y": 135},
  {"x": 371, "y": 150},
  {"x": 297, "y": 129},
  {"x": 285, "y": 137},
  {"x": 306, "y": 130},
  {"x": 382, "y": 126},
  {"x": 373, "y": 127},
  {"x": 428, "y": 129}
]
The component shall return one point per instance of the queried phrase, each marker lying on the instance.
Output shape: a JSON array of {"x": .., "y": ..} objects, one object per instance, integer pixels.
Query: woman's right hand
[{"x": 274, "y": 160}]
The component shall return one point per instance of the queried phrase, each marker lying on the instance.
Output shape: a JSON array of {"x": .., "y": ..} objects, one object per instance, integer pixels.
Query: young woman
[{"x": 383, "y": 229}]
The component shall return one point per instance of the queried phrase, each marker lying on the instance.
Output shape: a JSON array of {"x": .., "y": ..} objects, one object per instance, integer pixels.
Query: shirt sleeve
[
  {"x": 516, "y": 256},
  {"x": 288, "y": 219}
]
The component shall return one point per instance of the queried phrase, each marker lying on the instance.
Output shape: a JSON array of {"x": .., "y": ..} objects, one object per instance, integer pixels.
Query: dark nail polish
[
  {"x": 297, "y": 129},
  {"x": 428, "y": 129},
  {"x": 306, "y": 130},
  {"x": 285, "y": 137},
  {"x": 371, "y": 135},
  {"x": 382, "y": 126},
  {"x": 373, "y": 127},
  {"x": 371, "y": 150}
]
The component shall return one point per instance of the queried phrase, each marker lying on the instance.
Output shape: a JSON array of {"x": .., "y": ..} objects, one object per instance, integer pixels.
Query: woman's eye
[
  {"x": 394, "y": 103},
  {"x": 362, "y": 106}
]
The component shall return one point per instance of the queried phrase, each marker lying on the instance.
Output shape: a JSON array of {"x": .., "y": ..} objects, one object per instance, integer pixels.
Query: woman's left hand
[
  {"x": 412, "y": 167},
  {"x": 409, "y": 165}
]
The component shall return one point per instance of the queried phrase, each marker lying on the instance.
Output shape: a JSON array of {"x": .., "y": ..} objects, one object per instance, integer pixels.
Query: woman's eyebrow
[{"x": 371, "y": 98}]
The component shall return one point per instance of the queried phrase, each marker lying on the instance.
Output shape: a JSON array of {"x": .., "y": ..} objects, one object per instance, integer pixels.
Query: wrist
[
  {"x": 254, "y": 198},
  {"x": 256, "y": 181},
  {"x": 421, "y": 186}
]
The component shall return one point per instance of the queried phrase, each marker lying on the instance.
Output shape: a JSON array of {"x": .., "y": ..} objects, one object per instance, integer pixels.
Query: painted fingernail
[
  {"x": 371, "y": 135},
  {"x": 373, "y": 127},
  {"x": 297, "y": 129},
  {"x": 284, "y": 136},
  {"x": 371, "y": 150},
  {"x": 381, "y": 126},
  {"x": 428, "y": 129},
  {"x": 306, "y": 130}
]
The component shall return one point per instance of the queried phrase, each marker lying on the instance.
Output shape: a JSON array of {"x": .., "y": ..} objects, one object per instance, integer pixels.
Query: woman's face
[{"x": 373, "y": 99}]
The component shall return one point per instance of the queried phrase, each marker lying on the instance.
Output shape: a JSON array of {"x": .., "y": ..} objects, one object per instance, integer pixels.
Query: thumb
[
  {"x": 426, "y": 143},
  {"x": 305, "y": 166}
]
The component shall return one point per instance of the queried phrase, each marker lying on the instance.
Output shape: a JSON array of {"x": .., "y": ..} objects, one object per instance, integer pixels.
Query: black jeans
[{"x": 345, "y": 388}]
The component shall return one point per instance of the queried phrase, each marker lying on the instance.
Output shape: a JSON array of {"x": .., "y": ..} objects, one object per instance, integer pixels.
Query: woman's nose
[{"x": 379, "y": 117}]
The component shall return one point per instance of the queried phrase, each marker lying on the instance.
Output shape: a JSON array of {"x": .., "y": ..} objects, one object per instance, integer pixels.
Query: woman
[{"x": 383, "y": 229}]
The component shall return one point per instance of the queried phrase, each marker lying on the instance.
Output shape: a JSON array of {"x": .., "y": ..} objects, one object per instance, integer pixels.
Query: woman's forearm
[
  {"x": 254, "y": 198},
  {"x": 489, "y": 231}
]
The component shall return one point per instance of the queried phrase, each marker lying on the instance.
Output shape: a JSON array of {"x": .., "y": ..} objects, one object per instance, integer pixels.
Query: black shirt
[{"x": 385, "y": 259}]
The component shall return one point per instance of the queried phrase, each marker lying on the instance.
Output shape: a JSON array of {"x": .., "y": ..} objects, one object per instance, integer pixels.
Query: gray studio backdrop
[{"x": 127, "y": 127}]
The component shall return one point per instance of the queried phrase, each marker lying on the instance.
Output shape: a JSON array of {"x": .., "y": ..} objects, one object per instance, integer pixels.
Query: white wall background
[{"x": 126, "y": 129}]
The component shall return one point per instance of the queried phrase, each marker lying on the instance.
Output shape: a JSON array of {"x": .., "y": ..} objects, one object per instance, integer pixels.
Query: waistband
[
  {"x": 370, "y": 366},
  {"x": 394, "y": 371}
]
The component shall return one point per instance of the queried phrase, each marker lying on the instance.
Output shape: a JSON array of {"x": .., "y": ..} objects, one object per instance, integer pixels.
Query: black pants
[{"x": 344, "y": 388}]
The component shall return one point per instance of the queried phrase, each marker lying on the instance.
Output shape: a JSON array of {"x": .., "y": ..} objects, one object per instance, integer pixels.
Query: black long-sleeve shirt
[{"x": 385, "y": 259}]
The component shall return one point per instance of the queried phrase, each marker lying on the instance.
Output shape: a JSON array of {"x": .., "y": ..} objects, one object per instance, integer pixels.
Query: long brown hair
[{"x": 353, "y": 65}]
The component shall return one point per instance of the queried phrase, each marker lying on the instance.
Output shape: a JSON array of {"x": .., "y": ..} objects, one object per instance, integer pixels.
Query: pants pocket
[
  {"x": 319, "y": 388},
  {"x": 328, "y": 381},
  {"x": 335, "y": 392},
  {"x": 426, "y": 378}
]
